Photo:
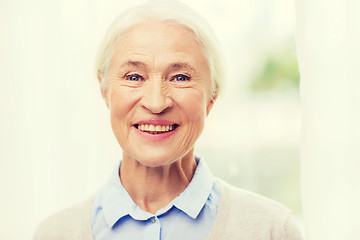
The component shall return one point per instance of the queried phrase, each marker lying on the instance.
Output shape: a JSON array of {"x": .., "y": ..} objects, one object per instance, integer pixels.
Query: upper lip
[{"x": 155, "y": 122}]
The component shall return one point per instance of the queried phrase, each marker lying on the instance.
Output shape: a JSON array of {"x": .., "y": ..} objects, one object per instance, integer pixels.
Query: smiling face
[{"x": 158, "y": 92}]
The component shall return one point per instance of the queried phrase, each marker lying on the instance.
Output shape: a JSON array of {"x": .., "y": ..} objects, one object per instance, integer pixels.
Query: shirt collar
[
  {"x": 117, "y": 203},
  {"x": 193, "y": 199}
]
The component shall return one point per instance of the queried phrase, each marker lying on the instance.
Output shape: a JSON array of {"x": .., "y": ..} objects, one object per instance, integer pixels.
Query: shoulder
[
  {"x": 254, "y": 216},
  {"x": 72, "y": 223},
  {"x": 246, "y": 201}
]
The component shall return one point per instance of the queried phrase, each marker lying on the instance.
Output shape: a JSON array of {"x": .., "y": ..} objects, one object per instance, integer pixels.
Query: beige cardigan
[{"x": 241, "y": 215}]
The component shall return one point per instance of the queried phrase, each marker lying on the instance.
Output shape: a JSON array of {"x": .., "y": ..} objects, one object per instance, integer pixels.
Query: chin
[
  {"x": 157, "y": 160},
  {"x": 157, "y": 156},
  {"x": 153, "y": 158}
]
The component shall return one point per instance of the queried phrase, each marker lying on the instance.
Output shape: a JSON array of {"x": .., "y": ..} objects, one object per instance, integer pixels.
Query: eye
[
  {"x": 180, "y": 78},
  {"x": 134, "y": 77}
]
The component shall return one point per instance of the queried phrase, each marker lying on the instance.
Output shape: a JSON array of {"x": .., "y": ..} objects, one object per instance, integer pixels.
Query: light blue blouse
[{"x": 191, "y": 215}]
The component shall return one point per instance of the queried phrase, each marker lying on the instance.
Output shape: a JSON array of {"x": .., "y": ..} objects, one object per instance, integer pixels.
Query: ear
[
  {"x": 104, "y": 91},
  {"x": 210, "y": 104}
]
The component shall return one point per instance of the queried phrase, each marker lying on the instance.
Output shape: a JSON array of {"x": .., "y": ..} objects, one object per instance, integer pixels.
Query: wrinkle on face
[{"x": 157, "y": 52}]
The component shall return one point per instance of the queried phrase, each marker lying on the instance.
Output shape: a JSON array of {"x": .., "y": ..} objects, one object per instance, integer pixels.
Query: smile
[{"x": 155, "y": 129}]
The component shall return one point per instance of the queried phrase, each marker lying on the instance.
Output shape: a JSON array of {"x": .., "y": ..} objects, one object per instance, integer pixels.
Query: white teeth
[{"x": 155, "y": 129}]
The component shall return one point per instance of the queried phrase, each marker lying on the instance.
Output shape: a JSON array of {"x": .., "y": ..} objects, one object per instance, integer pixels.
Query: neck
[{"x": 152, "y": 188}]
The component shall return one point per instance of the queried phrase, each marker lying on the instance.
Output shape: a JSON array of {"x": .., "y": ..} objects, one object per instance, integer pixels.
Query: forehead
[{"x": 160, "y": 41}]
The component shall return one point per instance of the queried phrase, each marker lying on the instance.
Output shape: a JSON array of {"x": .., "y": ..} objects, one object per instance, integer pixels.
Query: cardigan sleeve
[
  {"x": 70, "y": 224},
  {"x": 291, "y": 230}
]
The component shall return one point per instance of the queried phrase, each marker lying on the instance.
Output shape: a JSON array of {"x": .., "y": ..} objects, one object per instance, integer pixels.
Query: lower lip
[{"x": 155, "y": 137}]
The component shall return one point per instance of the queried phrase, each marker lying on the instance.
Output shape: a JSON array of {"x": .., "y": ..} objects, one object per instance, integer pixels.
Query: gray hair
[{"x": 164, "y": 10}]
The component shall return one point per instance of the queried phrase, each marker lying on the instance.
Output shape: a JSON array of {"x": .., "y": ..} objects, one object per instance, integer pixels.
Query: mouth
[{"x": 156, "y": 129}]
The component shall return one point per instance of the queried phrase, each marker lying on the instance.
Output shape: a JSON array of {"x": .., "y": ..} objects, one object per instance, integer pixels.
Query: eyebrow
[
  {"x": 133, "y": 64},
  {"x": 181, "y": 65}
]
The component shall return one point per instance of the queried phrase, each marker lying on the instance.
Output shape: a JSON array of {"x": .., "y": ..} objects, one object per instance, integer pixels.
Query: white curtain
[{"x": 328, "y": 48}]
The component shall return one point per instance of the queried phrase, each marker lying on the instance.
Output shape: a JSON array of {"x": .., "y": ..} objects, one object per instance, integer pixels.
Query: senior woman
[{"x": 160, "y": 74}]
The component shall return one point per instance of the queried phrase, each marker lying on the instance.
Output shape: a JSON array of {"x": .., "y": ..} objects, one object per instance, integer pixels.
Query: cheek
[
  {"x": 193, "y": 104},
  {"x": 121, "y": 103}
]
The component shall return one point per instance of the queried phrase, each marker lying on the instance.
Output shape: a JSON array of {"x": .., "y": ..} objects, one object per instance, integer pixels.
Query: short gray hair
[{"x": 164, "y": 10}]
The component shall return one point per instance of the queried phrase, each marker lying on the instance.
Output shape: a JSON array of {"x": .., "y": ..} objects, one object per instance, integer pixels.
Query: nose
[{"x": 156, "y": 97}]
